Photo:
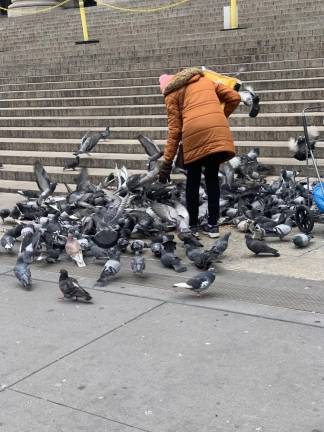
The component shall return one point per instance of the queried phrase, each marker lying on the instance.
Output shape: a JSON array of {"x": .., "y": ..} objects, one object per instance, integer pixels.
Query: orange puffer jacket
[{"x": 202, "y": 126}]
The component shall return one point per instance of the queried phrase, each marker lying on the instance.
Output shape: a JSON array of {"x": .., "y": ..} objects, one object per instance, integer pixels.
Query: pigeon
[
  {"x": 4, "y": 213},
  {"x": 299, "y": 145},
  {"x": 73, "y": 250},
  {"x": 106, "y": 238},
  {"x": 282, "y": 230},
  {"x": 22, "y": 271},
  {"x": 138, "y": 263},
  {"x": 7, "y": 241},
  {"x": 151, "y": 149},
  {"x": 188, "y": 237},
  {"x": 137, "y": 246},
  {"x": 156, "y": 249},
  {"x": 169, "y": 260},
  {"x": 199, "y": 283},
  {"x": 29, "y": 194},
  {"x": 220, "y": 245},
  {"x": 98, "y": 252},
  {"x": 43, "y": 182},
  {"x": 111, "y": 268},
  {"x": 71, "y": 289},
  {"x": 249, "y": 98},
  {"x": 122, "y": 244},
  {"x": 259, "y": 246},
  {"x": 302, "y": 240},
  {"x": 90, "y": 140},
  {"x": 71, "y": 164},
  {"x": 51, "y": 255},
  {"x": 202, "y": 259}
]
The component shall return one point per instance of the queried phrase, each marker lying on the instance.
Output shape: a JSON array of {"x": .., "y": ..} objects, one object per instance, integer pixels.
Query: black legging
[{"x": 211, "y": 164}]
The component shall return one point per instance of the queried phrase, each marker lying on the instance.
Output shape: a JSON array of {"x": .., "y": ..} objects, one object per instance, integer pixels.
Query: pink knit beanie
[{"x": 164, "y": 81}]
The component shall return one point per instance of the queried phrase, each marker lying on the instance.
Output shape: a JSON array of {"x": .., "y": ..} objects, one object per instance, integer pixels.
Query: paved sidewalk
[{"x": 147, "y": 357}]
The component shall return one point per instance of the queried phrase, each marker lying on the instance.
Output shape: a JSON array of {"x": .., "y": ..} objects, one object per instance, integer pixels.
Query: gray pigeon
[
  {"x": 137, "y": 246},
  {"x": 90, "y": 140},
  {"x": 151, "y": 149},
  {"x": 7, "y": 242},
  {"x": 220, "y": 245},
  {"x": 111, "y": 268},
  {"x": 202, "y": 259},
  {"x": 22, "y": 271},
  {"x": 302, "y": 240},
  {"x": 259, "y": 246},
  {"x": 71, "y": 288},
  {"x": 138, "y": 263},
  {"x": 189, "y": 238},
  {"x": 169, "y": 260},
  {"x": 122, "y": 244},
  {"x": 71, "y": 164},
  {"x": 43, "y": 182},
  {"x": 199, "y": 283},
  {"x": 4, "y": 213},
  {"x": 156, "y": 249}
]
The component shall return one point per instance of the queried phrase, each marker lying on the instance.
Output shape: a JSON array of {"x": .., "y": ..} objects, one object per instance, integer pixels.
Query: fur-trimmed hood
[{"x": 182, "y": 78}]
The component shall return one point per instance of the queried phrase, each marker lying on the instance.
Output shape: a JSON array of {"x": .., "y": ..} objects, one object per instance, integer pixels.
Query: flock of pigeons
[{"x": 131, "y": 213}]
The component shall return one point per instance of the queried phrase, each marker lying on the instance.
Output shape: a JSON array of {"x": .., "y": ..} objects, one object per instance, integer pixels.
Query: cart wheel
[{"x": 304, "y": 219}]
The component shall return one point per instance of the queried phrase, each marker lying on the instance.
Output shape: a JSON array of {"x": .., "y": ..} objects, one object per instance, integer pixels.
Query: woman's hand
[{"x": 165, "y": 171}]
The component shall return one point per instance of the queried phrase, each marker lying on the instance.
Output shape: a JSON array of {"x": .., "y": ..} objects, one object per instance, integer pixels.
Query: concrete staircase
[{"x": 52, "y": 91}]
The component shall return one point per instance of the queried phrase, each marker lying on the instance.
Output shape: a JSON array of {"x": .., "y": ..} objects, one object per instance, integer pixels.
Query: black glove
[{"x": 165, "y": 171}]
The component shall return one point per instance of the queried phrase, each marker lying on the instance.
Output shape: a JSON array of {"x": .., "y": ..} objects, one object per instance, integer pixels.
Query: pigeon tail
[
  {"x": 78, "y": 258},
  {"x": 292, "y": 145},
  {"x": 182, "y": 285},
  {"x": 179, "y": 268},
  {"x": 313, "y": 133},
  {"x": 87, "y": 296}
]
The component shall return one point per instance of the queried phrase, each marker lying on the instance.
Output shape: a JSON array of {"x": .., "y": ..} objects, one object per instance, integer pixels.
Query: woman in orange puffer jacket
[{"x": 197, "y": 118}]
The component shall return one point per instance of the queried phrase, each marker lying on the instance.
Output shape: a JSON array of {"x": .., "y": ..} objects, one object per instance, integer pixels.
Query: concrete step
[
  {"x": 135, "y": 76},
  {"x": 254, "y": 133},
  {"x": 283, "y": 93},
  {"x": 102, "y": 160},
  {"x": 63, "y": 72},
  {"x": 274, "y": 41},
  {"x": 25, "y": 173},
  {"x": 13, "y": 186},
  {"x": 153, "y": 109},
  {"x": 26, "y": 151},
  {"x": 164, "y": 58},
  {"x": 147, "y": 121},
  {"x": 49, "y": 66},
  {"x": 149, "y": 82}
]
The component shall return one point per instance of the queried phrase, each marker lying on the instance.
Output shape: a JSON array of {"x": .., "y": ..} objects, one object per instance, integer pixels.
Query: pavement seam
[
  {"x": 79, "y": 410},
  {"x": 204, "y": 307},
  {"x": 226, "y": 310},
  {"x": 86, "y": 344}
]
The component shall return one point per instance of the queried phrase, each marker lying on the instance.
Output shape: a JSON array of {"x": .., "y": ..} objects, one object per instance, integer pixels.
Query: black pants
[{"x": 211, "y": 165}]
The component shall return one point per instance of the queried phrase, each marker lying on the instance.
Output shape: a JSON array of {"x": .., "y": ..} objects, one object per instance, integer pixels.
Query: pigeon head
[
  {"x": 105, "y": 133},
  {"x": 64, "y": 273},
  {"x": 212, "y": 270}
]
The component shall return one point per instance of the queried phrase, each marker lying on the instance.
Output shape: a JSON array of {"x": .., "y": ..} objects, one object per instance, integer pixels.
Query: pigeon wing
[
  {"x": 151, "y": 149},
  {"x": 82, "y": 179},
  {"x": 85, "y": 137},
  {"x": 42, "y": 180}
]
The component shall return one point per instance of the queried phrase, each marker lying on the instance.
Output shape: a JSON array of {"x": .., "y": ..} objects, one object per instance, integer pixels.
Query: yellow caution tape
[
  {"x": 233, "y": 14},
  {"x": 142, "y": 10},
  {"x": 83, "y": 21},
  {"x": 47, "y": 9}
]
